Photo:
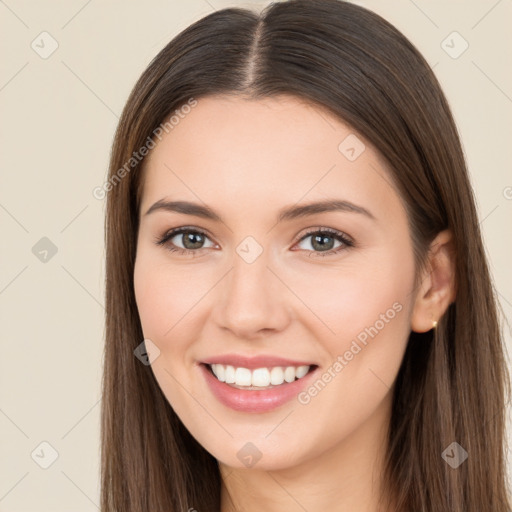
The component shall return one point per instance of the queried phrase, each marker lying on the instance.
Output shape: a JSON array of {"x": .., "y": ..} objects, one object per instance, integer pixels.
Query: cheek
[
  {"x": 163, "y": 299},
  {"x": 150, "y": 298},
  {"x": 367, "y": 306},
  {"x": 363, "y": 292},
  {"x": 164, "y": 294}
]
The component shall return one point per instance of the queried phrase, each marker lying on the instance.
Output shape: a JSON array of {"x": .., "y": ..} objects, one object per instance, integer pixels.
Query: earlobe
[{"x": 438, "y": 287}]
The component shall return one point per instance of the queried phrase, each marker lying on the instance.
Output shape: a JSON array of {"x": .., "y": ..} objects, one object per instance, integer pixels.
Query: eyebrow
[{"x": 286, "y": 214}]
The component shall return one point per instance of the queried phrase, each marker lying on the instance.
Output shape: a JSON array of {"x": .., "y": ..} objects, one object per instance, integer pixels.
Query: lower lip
[{"x": 245, "y": 400}]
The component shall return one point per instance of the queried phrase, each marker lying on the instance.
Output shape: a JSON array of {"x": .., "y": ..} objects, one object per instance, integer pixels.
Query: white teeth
[
  {"x": 230, "y": 374},
  {"x": 219, "y": 371},
  {"x": 243, "y": 377},
  {"x": 260, "y": 377},
  {"x": 289, "y": 374},
  {"x": 276, "y": 376},
  {"x": 301, "y": 371}
]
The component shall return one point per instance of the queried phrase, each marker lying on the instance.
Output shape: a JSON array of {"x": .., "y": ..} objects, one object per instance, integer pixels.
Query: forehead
[{"x": 231, "y": 152}]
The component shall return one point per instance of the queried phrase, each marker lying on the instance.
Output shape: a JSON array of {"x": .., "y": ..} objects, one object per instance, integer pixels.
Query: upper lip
[{"x": 253, "y": 362}]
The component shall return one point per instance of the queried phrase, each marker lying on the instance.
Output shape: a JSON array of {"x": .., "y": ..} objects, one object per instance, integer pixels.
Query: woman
[{"x": 300, "y": 314}]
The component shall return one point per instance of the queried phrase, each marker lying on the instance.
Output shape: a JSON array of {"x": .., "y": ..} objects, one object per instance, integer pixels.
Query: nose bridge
[{"x": 252, "y": 298}]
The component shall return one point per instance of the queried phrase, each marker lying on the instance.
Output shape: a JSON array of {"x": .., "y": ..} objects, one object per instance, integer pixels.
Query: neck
[{"x": 346, "y": 478}]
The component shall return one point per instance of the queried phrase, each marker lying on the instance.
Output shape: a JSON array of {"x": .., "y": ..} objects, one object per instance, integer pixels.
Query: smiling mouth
[{"x": 259, "y": 378}]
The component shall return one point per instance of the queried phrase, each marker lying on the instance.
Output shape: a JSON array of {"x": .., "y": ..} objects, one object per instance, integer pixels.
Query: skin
[{"x": 246, "y": 160}]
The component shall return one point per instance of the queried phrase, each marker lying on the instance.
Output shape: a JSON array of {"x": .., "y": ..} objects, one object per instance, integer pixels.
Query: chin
[{"x": 259, "y": 454}]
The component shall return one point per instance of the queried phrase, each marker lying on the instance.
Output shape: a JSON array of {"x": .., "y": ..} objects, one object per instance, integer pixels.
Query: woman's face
[{"x": 271, "y": 287}]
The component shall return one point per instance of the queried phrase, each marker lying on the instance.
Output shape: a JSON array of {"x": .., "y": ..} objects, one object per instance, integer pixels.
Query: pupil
[
  {"x": 189, "y": 242},
  {"x": 321, "y": 240}
]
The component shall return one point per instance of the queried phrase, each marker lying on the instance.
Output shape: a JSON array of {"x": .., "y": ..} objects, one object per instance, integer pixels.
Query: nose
[{"x": 251, "y": 301}]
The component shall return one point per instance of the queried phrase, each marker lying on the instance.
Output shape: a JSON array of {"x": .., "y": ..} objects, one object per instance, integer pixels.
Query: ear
[{"x": 437, "y": 288}]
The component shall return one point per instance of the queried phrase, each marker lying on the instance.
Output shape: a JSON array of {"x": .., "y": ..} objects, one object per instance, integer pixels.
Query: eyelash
[{"x": 341, "y": 237}]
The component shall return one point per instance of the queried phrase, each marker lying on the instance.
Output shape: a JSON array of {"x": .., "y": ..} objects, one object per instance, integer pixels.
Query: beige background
[{"x": 58, "y": 118}]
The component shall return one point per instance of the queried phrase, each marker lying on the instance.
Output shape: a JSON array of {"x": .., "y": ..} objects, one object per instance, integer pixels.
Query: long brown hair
[{"x": 453, "y": 381}]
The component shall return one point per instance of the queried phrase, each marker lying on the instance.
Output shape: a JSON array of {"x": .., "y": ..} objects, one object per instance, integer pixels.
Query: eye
[
  {"x": 322, "y": 241},
  {"x": 192, "y": 240}
]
